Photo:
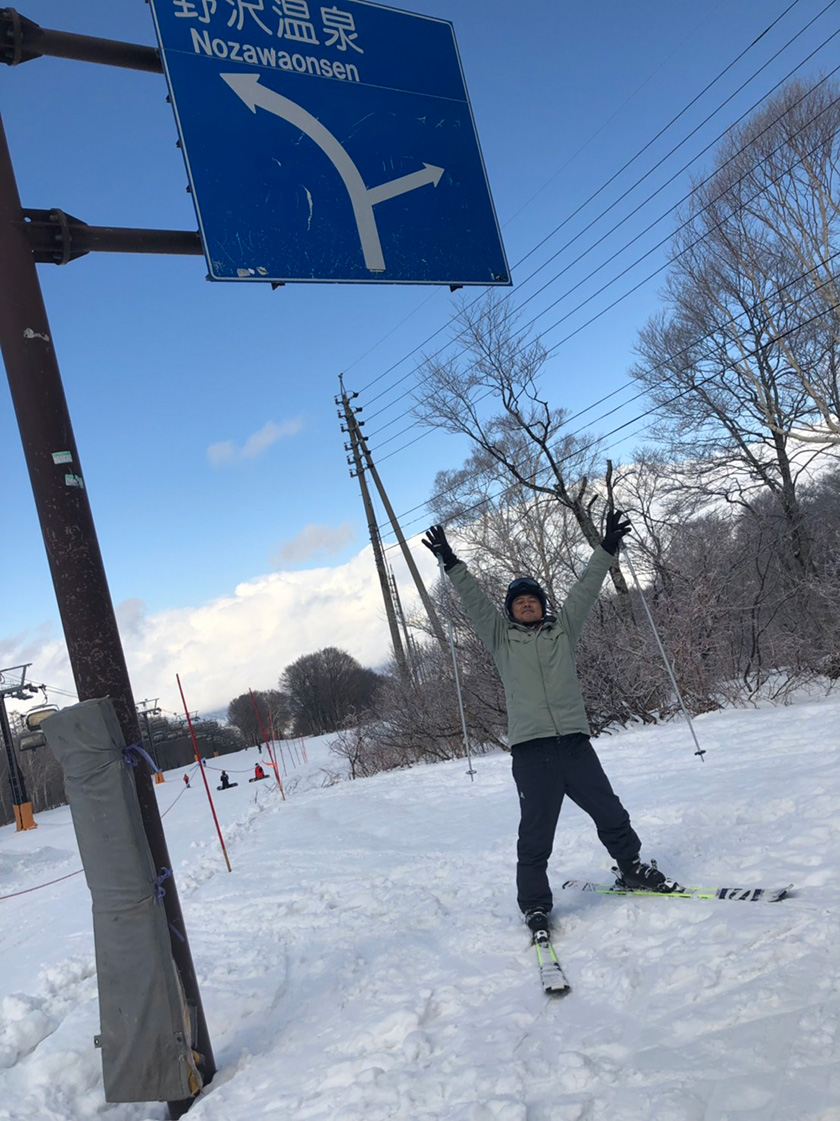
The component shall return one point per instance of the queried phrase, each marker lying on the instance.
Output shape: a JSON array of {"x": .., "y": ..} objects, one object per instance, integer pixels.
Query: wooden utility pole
[
  {"x": 434, "y": 618},
  {"x": 351, "y": 427},
  {"x": 410, "y": 647}
]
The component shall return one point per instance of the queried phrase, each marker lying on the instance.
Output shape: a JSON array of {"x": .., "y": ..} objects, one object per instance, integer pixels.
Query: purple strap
[
  {"x": 138, "y": 750},
  {"x": 165, "y": 874}
]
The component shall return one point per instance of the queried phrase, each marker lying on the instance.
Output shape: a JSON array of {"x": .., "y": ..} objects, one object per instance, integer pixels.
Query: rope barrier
[
  {"x": 49, "y": 883},
  {"x": 132, "y": 762},
  {"x": 78, "y": 872}
]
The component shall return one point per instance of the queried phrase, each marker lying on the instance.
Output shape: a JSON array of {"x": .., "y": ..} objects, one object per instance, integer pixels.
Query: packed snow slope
[{"x": 364, "y": 960}]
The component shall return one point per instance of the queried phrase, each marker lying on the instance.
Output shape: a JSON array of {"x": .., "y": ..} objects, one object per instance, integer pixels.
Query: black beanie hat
[{"x": 523, "y": 586}]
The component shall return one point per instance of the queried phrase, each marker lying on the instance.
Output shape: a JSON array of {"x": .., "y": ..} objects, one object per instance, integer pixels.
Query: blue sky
[{"x": 204, "y": 411}]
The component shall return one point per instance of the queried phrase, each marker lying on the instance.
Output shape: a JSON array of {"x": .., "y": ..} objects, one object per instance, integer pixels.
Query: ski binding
[{"x": 554, "y": 980}]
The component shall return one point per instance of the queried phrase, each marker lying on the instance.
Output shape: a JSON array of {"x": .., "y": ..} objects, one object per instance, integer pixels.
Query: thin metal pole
[
  {"x": 629, "y": 560},
  {"x": 470, "y": 770}
]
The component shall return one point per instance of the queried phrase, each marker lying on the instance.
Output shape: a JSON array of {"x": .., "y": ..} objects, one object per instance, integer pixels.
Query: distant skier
[
  {"x": 187, "y": 781},
  {"x": 552, "y": 756}
]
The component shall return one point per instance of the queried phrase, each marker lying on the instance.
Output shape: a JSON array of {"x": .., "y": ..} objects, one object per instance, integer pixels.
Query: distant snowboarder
[
  {"x": 187, "y": 781},
  {"x": 552, "y": 756},
  {"x": 226, "y": 783}
]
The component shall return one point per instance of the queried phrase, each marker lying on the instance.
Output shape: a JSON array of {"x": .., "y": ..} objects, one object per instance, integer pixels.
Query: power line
[
  {"x": 670, "y": 210},
  {"x": 658, "y": 366},
  {"x": 671, "y": 260},
  {"x": 627, "y": 101},
  {"x": 642, "y": 393},
  {"x": 709, "y": 86},
  {"x": 559, "y": 171},
  {"x": 670, "y": 401},
  {"x": 673, "y": 120},
  {"x": 677, "y": 204}
]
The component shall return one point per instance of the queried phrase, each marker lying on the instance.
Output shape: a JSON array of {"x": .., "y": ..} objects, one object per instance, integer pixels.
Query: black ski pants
[{"x": 545, "y": 770}]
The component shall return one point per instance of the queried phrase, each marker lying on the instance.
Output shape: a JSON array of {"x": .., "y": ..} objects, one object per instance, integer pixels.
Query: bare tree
[
  {"x": 273, "y": 708},
  {"x": 522, "y": 449},
  {"x": 327, "y": 688},
  {"x": 419, "y": 721},
  {"x": 742, "y": 361},
  {"x": 785, "y": 173}
]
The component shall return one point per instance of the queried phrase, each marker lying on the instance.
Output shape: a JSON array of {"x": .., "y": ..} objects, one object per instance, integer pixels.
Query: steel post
[{"x": 78, "y": 574}]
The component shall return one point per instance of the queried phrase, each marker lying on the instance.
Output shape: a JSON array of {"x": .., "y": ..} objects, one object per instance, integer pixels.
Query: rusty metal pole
[{"x": 78, "y": 574}]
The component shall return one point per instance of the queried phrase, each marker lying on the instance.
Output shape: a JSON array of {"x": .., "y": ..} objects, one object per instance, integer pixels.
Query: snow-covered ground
[{"x": 364, "y": 960}]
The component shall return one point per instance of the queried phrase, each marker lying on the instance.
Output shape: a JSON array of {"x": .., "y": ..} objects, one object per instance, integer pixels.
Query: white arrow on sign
[
  {"x": 429, "y": 174},
  {"x": 362, "y": 198}
]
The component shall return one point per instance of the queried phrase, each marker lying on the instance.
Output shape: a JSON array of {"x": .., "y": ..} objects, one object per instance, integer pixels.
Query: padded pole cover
[{"x": 145, "y": 1023}]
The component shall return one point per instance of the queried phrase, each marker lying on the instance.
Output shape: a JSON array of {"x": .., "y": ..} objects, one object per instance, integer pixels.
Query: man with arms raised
[{"x": 534, "y": 652}]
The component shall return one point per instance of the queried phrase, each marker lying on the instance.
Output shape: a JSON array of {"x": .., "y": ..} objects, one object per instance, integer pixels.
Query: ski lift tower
[{"x": 12, "y": 684}]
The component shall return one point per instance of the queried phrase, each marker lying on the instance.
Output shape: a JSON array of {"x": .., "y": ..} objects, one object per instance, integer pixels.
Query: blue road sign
[{"x": 329, "y": 142}]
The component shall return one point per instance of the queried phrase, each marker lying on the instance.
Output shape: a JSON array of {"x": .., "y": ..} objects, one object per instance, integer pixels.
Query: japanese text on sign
[{"x": 284, "y": 19}]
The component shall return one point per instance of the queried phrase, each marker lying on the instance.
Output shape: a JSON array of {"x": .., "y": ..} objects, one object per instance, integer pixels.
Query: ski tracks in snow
[
  {"x": 364, "y": 960},
  {"x": 409, "y": 989},
  {"x": 67, "y": 1083}
]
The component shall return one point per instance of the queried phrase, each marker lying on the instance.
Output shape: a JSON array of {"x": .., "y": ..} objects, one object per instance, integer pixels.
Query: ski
[
  {"x": 739, "y": 894},
  {"x": 552, "y": 977}
]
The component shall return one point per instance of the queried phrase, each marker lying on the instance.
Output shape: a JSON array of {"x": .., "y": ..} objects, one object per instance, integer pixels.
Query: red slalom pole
[
  {"x": 275, "y": 741},
  {"x": 203, "y": 774},
  {"x": 303, "y": 746},
  {"x": 267, "y": 744},
  {"x": 276, "y": 771},
  {"x": 295, "y": 755}
]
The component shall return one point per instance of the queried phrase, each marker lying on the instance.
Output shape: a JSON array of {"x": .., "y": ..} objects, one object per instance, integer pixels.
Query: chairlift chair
[{"x": 33, "y": 737}]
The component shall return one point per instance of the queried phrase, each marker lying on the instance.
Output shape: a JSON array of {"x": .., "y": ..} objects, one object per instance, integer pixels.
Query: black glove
[
  {"x": 615, "y": 530},
  {"x": 435, "y": 540}
]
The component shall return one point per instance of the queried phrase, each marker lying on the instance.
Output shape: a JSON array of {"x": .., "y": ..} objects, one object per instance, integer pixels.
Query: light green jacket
[{"x": 537, "y": 666}]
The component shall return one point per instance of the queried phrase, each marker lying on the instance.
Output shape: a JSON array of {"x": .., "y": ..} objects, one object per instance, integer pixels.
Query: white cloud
[
  {"x": 226, "y": 451},
  {"x": 129, "y": 615},
  {"x": 269, "y": 434},
  {"x": 45, "y": 649},
  {"x": 223, "y": 647},
  {"x": 314, "y": 539}
]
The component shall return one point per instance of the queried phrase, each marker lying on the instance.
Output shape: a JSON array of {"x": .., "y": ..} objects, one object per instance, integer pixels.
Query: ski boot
[
  {"x": 634, "y": 875},
  {"x": 537, "y": 922}
]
